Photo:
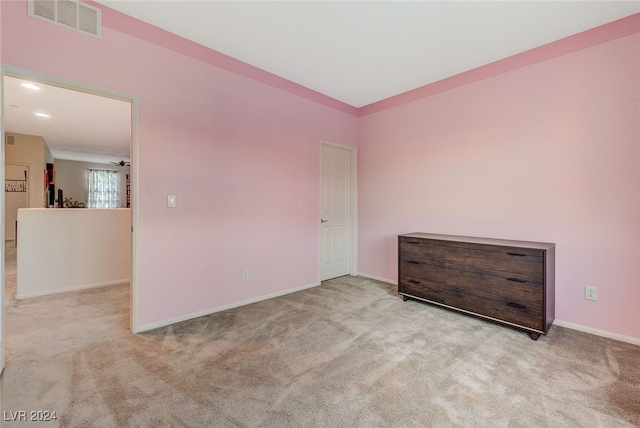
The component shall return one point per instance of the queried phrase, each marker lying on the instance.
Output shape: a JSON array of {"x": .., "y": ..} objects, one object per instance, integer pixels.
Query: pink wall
[
  {"x": 237, "y": 152},
  {"x": 548, "y": 152}
]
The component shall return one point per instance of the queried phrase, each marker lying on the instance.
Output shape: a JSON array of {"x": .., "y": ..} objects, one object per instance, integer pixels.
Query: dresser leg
[
  {"x": 533, "y": 335},
  {"x": 405, "y": 298}
]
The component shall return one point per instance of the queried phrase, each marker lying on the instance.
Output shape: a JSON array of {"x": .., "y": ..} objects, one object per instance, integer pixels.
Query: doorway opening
[{"x": 96, "y": 155}]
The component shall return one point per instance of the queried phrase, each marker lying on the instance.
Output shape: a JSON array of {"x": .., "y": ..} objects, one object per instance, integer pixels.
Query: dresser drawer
[
  {"x": 511, "y": 262},
  {"x": 497, "y": 297},
  {"x": 423, "y": 250},
  {"x": 419, "y": 269},
  {"x": 422, "y": 288}
]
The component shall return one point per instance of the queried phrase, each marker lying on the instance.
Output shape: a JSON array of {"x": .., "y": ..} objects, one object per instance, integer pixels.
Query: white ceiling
[{"x": 358, "y": 52}]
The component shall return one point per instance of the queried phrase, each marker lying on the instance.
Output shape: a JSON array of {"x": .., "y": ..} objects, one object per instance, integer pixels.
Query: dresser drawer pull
[
  {"x": 517, "y": 280},
  {"x": 517, "y": 254},
  {"x": 413, "y": 262},
  {"x": 412, "y": 242},
  {"x": 413, "y": 281},
  {"x": 516, "y": 305}
]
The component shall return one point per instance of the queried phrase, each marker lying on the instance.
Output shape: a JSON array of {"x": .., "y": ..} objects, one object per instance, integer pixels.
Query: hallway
[{"x": 10, "y": 267}]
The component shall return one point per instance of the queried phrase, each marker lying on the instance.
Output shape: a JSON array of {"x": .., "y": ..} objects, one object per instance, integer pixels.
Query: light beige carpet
[{"x": 349, "y": 353}]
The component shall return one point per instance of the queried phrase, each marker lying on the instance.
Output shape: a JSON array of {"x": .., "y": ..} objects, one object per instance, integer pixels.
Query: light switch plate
[{"x": 171, "y": 201}]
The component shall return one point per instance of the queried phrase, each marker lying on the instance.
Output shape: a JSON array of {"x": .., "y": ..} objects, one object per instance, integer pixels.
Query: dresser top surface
[{"x": 477, "y": 240}]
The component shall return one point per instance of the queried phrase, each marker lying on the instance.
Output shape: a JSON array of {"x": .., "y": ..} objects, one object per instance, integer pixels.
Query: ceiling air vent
[{"x": 69, "y": 14}]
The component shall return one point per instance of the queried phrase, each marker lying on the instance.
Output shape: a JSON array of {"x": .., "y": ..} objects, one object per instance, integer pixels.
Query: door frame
[
  {"x": 2, "y": 221},
  {"x": 353, "y": 152},
  {"x": 133, "y": 100}
]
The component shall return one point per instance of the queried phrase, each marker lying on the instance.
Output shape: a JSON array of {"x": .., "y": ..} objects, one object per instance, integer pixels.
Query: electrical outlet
[
  {"x": 591, "y": 293},
  {"x": 245, "y": 275}
]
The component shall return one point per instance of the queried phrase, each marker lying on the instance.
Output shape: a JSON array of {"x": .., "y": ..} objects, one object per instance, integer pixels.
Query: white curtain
[{"x": 103, "y": 188}]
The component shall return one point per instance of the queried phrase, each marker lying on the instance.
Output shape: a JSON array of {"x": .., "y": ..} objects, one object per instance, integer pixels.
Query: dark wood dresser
[{"x": 510, "y": 282}]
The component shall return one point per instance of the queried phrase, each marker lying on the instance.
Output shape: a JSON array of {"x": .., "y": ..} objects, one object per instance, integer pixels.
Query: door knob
[{"x": 323, "y": 220}]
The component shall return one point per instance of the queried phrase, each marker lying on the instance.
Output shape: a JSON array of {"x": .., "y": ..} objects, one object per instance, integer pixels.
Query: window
[{"x": 103, "y": 188}]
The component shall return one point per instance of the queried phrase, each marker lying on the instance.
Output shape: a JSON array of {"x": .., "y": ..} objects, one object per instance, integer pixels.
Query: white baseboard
[
  {"x": 378, "y": 278},
  {"x": 198, "y": 314},
  {"x": 69, "y": 289},
  {"x": 597, "y": 332}
]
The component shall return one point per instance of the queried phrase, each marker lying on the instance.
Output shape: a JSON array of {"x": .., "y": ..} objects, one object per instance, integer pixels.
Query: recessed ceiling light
[
  {"x": 42, "y": 115},
  {"x": 31, "y": 86}
]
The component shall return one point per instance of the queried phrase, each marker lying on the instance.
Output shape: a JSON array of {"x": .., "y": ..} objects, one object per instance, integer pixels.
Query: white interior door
[{"x": 335, "y": 212}]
